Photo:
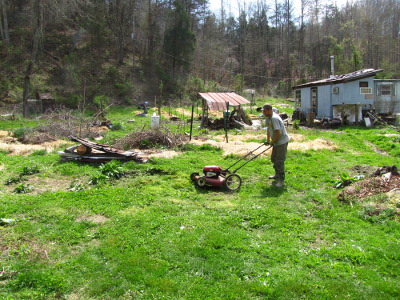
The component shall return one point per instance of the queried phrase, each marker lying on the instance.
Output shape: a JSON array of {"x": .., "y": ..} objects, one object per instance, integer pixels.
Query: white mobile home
[{"x": 348, "y": 94}]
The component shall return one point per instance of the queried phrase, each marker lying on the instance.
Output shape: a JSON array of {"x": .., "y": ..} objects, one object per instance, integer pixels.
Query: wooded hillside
[{"x": 133, "y": 50}]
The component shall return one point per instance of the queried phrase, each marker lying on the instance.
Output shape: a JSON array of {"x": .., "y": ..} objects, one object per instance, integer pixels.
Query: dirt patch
[
  {"x": 237, "y": 143},
  {"x": 16, "y": 148},
  {"x": 375, "y": 149},
  {"x": 318, "y": 144},
  {"x": 392, "y": 135},
  {"x": 157, "y": 153},
  {"x": 4, "y": 134},
  {"x": 97, "y": 219},
  {"x": 184, "y": 112},
  {"x": 42, "y": 185}
]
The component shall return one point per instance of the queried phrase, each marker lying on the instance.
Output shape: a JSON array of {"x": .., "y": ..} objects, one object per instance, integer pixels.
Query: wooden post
[
  {"x": 226, "y": 117},
  {"x": 191, "y": 123},
  {"x": 356, "y": 107},
  {"x": 202, "y": 113}
]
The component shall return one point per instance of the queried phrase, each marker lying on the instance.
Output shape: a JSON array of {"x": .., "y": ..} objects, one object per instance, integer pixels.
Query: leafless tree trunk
[
  {"x": 37, "y": 35},
  {"x": 4, "y": 31}
]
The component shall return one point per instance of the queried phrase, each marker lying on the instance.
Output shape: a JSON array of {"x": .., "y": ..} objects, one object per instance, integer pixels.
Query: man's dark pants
[{"x": 278, "y": 158}]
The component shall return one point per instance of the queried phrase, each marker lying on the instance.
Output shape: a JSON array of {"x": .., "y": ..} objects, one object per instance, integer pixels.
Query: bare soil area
[
  {"x": 237, "y": 144},
  {"x": 242, "y": 144}
]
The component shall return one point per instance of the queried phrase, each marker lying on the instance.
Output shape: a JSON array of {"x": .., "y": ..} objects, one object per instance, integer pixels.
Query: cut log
[{"x": 82, "y": 149}]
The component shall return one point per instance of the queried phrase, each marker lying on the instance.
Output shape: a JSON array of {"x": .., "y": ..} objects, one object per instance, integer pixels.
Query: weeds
[
  {"x": 23, "y": 188},
  {"x": 109, "y": 171},
  {"x": 29, "y": 170},
  {"x": 112, "y": 169},
  {"x": 346, "y": 180},
  {"x": 14, "y": 179},
  {"x": 76, "y": 186}
]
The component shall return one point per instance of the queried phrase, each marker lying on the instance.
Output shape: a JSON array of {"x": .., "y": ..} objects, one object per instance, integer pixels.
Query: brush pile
[
  {"x": 58, "y": 124},
  {"x": 384, "y": 181},
  {"x": 154, "y": 138}
]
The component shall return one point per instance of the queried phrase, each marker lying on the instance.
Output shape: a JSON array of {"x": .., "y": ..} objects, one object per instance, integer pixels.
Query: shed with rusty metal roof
[{"x": 218, "y": 101}]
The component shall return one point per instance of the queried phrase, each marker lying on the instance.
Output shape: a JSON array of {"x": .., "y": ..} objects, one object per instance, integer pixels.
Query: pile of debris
[
  {"x": 89, "y": 151},
  {"x": 147, "y": 139},
  {"x": 237, "y": 119},
  {"x": 385, "y": 180}
]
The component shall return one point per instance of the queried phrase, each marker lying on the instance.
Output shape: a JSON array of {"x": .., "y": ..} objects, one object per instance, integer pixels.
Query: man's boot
[{"x": 280, "y": 183}]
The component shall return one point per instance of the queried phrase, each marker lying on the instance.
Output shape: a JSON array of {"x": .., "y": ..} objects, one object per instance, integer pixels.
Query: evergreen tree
[{"x": 179, "y": 43}]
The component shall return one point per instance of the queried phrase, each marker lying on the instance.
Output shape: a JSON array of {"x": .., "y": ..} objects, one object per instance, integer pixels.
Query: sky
[{"x": 232, "y": 6}]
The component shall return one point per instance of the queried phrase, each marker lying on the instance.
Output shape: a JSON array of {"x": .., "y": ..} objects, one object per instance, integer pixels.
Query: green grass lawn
[{"x": 151, "y": 234}]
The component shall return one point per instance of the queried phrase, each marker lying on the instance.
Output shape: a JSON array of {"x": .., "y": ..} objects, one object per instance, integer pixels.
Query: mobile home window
[
  {"x": 365, "y": 90},
  {"x": 386, "y": 90},
  {"x": 297, "y": 98},
  {"x": 363, "y": 84}
]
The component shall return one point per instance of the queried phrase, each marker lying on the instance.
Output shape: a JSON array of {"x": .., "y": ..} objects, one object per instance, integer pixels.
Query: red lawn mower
[{"x": 216, "y": 176}]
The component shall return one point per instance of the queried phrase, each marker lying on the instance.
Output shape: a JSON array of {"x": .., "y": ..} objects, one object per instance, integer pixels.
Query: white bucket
[{"x": 154, "y": 121}]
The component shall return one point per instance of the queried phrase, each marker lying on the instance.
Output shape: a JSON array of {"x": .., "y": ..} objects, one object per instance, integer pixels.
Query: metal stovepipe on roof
[{"x": 332, "y": 67}]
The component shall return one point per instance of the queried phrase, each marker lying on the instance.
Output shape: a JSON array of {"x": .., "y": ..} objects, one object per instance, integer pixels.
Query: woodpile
[{"x": 92, "y": 152}]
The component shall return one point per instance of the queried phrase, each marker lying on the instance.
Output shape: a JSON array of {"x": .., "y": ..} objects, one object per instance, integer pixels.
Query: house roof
[
  {"x": 363, "y": 73},
  {"x": 217, "y": 101}
]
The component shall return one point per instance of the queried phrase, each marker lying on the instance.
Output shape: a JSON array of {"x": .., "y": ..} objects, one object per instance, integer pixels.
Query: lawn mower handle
[{"x": 254, "y": 157}]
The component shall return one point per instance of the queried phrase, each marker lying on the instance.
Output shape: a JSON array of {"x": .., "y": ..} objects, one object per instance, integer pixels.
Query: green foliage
[
  {"x": 76, "y": 186},
  {"x": 23, "y": 188},
  {"x": 239, "y": 83},
  {"x": 152, "y": 234},
  {"x": 29, "y": 170},
  {"x": 101, "y": 101},
  {"x": 98, "y": 179},
  {"x": 296, "y": 124},
  {"x": 117, "y": 126},
  {"x": 346, "y": 179},
  {"x": 109, "y": 171},
  {"x": 20, "y": 132},
  {"x": 112, "y": 169},
  {"x": 39, "y": 152},
  {"x": 179, "y": 46},
  {"x": 14, "y": 179}
]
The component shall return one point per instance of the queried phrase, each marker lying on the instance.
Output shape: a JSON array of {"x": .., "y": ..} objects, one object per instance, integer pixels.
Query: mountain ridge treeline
[{"x": 133, "y": 50}]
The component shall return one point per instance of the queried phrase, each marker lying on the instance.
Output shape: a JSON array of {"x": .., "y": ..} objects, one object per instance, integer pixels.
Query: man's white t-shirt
[{"x": 276, "y": 123}]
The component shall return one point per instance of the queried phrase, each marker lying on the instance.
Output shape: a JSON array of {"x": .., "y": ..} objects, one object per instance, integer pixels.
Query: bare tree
[
  {"x": 4, "y": 31},
  {"x": 37, "y": 34}
]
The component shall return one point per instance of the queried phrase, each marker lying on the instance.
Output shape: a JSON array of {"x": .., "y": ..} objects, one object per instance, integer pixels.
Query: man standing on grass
[{"x": 278, "y": 138}]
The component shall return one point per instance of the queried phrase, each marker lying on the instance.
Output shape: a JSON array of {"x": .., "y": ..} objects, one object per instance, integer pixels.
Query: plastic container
[{"x": 154, "y": 121}]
